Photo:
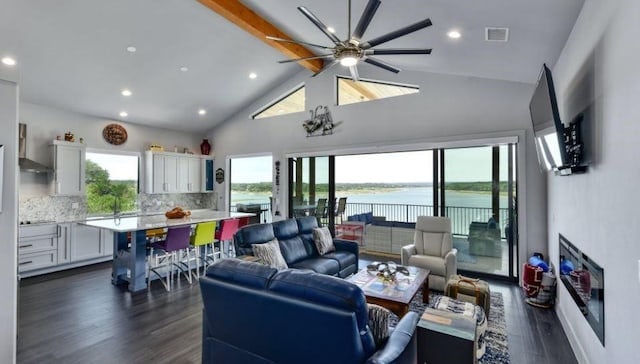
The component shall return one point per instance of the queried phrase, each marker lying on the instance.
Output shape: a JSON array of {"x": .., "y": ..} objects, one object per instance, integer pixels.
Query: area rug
[{"x": 497, "y": 345}]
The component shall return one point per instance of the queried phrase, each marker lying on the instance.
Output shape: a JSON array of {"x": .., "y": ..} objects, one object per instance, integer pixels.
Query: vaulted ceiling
[{"x": 72, "y": 54}]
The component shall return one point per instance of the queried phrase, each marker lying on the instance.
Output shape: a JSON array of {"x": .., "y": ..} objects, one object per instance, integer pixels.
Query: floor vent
[{"x": 493, "y": 34}]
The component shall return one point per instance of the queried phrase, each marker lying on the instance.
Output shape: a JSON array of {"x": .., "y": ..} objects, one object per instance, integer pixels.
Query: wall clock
[{"x": 114, "y": 134}]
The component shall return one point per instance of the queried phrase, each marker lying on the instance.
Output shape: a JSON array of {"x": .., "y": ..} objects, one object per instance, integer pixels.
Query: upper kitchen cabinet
[
  {"x": 189, "y": 174},
  {"x": 167, "y": 172},
  {"x": 68, "y": 160}
]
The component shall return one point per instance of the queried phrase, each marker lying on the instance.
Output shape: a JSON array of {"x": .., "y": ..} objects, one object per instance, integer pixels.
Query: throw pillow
[
  {"x": 378, "y": 323},
  {"x": 324, "y": 241},
  {"x": 270, "y": 254}
]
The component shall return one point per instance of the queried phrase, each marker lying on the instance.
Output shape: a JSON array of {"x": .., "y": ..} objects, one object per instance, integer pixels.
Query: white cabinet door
[
  {"x": 64, "y": 243},
  {"x": 195, "y": 167},
  {"x": 85, "y": 243},
  {"x": 69, "y": 170},
  {"x": 165, "y": 174},
  {"x": 106, "y": 239},
  {"x": 189, "y": 174}
]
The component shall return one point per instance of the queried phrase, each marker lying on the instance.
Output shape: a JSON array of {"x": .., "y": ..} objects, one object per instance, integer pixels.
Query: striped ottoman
[{"x": 469, "y": 311}]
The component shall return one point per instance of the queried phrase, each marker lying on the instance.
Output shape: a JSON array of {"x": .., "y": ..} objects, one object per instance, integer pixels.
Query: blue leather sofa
[
  {"x": 295, "y": 237},
  {"x": 254, "y": 314}
]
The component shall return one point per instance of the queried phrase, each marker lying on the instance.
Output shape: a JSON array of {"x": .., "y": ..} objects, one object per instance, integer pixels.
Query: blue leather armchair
[
  {"x": 254, "y": 314},
  {"x": 295, "y": 237}
]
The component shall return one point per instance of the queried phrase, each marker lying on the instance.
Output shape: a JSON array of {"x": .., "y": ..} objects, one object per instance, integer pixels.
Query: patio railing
[{"x": 461, "y": 217}]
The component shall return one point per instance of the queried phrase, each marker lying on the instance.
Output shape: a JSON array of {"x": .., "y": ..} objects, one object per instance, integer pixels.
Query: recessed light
[
  {"x": 202, "y": 112},
  {"x": 281, "y": 111},
  {"x": 124, "y": 114},
  {"x": 184, "y": 69},
  {"x": 252, "y": 75},
  {"x": 131, "y": 49},
  {"x": 126, "y": 92},
  {"x": 454, "y": 34},
  {"x": 331, "y": 29},
  {"x": 9, "y": 61}
]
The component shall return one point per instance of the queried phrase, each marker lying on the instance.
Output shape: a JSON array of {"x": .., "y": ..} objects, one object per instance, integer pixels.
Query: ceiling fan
[{"x": 351, "y": 51}]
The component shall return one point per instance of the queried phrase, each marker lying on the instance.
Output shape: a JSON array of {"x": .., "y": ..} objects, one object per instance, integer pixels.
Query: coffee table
[{"x": 394, "y": 296}]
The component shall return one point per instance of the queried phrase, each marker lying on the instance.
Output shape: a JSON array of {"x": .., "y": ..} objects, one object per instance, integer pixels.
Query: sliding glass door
[
  {"x": 474, "y": 186},
  {"x": 310, "y": 188},
  {"x": 479, "y": 192},
  {"x": 251, "y": 184}
]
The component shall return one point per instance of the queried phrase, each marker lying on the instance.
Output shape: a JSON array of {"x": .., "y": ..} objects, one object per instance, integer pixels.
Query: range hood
[{"x": 27, "y": 165}]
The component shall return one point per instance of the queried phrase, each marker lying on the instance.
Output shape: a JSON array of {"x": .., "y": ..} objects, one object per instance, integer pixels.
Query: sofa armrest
[
  {"x": 348, "y": 245},
  {"x": 401, "y": 345},
  {"x": 407, "y": 252},
  {"x": 450, "y": 262}
]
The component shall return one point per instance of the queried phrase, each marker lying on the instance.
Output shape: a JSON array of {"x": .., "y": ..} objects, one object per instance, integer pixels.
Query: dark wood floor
[{"x": 77, "y": 316}]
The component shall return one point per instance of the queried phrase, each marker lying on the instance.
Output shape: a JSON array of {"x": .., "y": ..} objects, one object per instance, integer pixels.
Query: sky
[
  {"x": 120, "y": 167},
  {"x": 461, "y": 165}
]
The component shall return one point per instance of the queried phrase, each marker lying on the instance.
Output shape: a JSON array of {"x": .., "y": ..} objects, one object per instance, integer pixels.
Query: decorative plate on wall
[{"x": 114, "y": 134}]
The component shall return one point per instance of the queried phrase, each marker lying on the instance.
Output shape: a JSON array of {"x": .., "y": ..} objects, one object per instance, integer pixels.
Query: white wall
[
  {"x": 45, "y": 123},
  {"x": 447, "y": 108},
  {"x": 8, "y": 217},
  {"x": 598, "y": 211}
]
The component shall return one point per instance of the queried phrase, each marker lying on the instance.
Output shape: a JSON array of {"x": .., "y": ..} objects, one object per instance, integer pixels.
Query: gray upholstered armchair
[{"x": 432, "y": 249}]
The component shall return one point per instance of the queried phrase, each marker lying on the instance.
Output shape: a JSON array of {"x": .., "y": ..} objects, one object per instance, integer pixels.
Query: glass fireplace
[{"x": 584, "y": 279}]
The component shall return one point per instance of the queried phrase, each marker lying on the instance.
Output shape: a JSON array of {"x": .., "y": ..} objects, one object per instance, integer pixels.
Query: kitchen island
[{"x": 130, "y": 253}]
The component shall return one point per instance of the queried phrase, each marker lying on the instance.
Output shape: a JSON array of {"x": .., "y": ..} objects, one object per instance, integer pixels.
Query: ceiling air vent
[{"x": 493, "y": 34}]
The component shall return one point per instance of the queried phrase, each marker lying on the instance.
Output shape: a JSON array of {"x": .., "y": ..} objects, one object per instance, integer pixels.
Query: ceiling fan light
[{"x": 348, "y": 61}]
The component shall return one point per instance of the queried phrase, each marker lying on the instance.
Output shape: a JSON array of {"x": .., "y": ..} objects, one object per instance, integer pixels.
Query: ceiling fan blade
[
  {"x": 318, "y": 24},
  {"x": 365, "y": 19},
  {"x": 354, "y": 73},
  {"x": 335, "y": 61},
  {"x": 396, "y": 34},
  {"x": 297, "y": 42},
  {"x": 379, "y": 52},
  {"x": 379, "y": 63},
  {"x": 305, "y": 58}
]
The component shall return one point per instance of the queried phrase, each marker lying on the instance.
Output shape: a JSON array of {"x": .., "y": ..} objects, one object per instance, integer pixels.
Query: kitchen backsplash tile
[{"x": 59, "y": 208}]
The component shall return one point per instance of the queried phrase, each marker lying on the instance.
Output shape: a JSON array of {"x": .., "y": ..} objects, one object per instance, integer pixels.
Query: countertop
[{"x": 144, "y": 222}]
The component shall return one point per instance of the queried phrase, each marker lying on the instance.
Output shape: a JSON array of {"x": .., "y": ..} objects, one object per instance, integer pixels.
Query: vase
[{"x": 205, "y": 147}]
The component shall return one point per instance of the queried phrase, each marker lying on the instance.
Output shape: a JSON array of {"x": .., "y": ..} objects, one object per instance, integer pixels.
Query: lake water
[{"x": 405, "y": 196}]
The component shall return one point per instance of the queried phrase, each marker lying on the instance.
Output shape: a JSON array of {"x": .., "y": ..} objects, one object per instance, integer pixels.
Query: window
[
  {"x": 111, "y": 178},
  {"x": 291, "y": 102},
  {"x": 350, "y": 92},
  {"x": 251, "y": 183}
]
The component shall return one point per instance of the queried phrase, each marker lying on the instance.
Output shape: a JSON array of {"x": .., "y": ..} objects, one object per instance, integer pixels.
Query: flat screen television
[{"x": 559, "y": 149}]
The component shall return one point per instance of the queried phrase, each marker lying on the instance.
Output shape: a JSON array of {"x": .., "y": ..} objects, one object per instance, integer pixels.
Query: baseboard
[{"x": 578, "y": 350}]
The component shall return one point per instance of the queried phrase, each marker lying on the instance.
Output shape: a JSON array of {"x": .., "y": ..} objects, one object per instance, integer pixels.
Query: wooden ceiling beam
[{"x": 249, "y": 21}]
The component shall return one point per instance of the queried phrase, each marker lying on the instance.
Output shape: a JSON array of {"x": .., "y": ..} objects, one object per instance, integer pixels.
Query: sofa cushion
[
  {"x": 344, "y": 258},
  {"x": 270, "y": 254},
  {"x": 436, "y": 264},
  {"x": 252, "y": 234},
  {"x": 319, "y": 265},
  {"x": 325, "y": 290},
  {"x": 242, "y": 273},
  {"x": 294, "y": 250},
  {"x": 378, "y": 323},
  {"x": 305, "y": 227},
  {"x": 323, "y": 240},
  {"x": 285, "y": 229}
]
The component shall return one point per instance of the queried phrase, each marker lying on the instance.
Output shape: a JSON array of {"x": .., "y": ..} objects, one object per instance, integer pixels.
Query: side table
[{"x": 444, "y": 338}]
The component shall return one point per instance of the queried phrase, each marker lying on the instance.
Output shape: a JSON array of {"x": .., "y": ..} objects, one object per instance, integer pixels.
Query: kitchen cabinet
[
  {"x": 207, "y": 175},
  {"x": 85, "y": 243},
  {"x": 44, "y": 248},
  {"x": 68, "y": 160},
  {"x": 189, "y": 174},
  {"x": 64, "y": 243},
  {"x": 167, "y": 172},
  {"x": 37, "y": 247}
]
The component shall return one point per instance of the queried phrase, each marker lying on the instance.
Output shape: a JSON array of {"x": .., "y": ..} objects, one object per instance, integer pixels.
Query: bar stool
[
  {"x": 176, "y": 243},
  {"x": 227, "y": 229},
  {"x": 201, "y": 240}
]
